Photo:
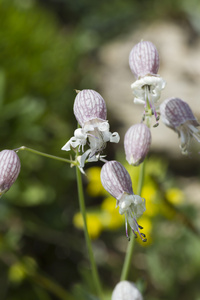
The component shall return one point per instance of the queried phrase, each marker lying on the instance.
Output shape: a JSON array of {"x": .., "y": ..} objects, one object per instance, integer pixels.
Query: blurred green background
[{"x": 48, "y": 49}]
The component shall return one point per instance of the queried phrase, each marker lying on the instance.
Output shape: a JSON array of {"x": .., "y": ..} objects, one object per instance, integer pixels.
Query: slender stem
[
  {"x": 129, "y": 252},
  {"x": 141, "y": 178},
  {"x": 87, "y": 238},
  {"x": 128, "y": 257},
  {"x": 46, "y": 155}
]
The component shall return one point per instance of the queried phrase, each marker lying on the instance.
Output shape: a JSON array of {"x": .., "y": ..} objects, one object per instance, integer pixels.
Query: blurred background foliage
[{"x": 47, "y": 49}]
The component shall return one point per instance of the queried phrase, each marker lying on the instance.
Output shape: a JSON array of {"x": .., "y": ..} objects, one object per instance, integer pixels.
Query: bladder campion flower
[
  {"x": 116, "y": 180},
  {"x": 144, "y": 64},
  {"x": 137, "y": 142},
  {"x": 126, "y": 290},
  {"x": 90, "y": 112},
  {"x": 9, "y": 169},
  {"x": 176, "y": 114}
]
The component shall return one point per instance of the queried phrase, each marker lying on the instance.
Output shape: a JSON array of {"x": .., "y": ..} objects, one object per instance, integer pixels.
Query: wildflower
[
  {"x": 176, "y": 114},
  {"x": 9, "y": 169},
  {"x": 93, "y": 222},
  {"x": 126, "y": 290},
  {"x": 90, "y": 112},
  {"x": 144, "y": 64},
  {"x": 137, "y": 142},
  {"x": 116, "y": 180}
]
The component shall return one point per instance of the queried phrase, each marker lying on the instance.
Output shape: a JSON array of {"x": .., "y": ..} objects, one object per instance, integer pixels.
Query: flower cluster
[
  {"x": 91, "y": 114},
  {"x": 174, "y": 112},
  {"x": 94, "y": 131}
]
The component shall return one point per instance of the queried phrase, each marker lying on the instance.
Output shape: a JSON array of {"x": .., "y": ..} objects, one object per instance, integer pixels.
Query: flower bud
[
  {"x": 144, "y": 59},
  {"x": 9, "y": 169},
  {"x": 89, "y": 105},
  {"x": 176, "y": 114},
  {"x": 126, "y": 290},
  {"x": 137, "y": 142}
]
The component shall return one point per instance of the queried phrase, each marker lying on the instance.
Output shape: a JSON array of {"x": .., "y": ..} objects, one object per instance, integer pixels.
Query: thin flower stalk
[
  {"x": 94, "y": 270},
  {"x": 129, "y": 253}
]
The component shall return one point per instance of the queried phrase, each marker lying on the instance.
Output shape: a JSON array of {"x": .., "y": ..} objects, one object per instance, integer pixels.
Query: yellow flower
[
  {"x": 149, "y": 194},
  {"x": 175, "y": 196},
  {"x": 111, "y": 219},
  {"x": 94, "y": 187},
  {"x": 17, "y": 273},
  {"x": 94, "y": 224}
]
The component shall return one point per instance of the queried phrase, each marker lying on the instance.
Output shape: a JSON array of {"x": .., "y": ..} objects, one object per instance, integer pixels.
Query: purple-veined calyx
[
  {"x": 116, "y": 181},
  {"x": 9, "y": 169},
  {"x": 90, "y": 112},
  {"x": 177, "y": 114},
  {"x": 137, "y": 142}
]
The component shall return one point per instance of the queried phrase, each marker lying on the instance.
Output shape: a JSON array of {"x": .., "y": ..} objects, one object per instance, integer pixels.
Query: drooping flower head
[
  {"x": 177, "y": 114},
  {"x": 116, "y": 181},
  {"x": 9, "y": 169},
  {"x": 144, "y": 64},
  {"x": 90, "y": 112},
  {"x": 137, "y": 142},
  {"x": 126, "y": 290}
]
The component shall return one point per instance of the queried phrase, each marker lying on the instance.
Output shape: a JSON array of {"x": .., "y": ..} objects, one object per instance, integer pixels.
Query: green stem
[
  {"x": 87, "y": 238},
  {"x": 129, "y": 252},
  {"x": 46, "y": 155}
]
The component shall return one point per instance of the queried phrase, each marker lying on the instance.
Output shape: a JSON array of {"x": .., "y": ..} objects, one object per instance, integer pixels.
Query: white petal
[
  {"x": 156, "y": 84},
  {"x": 88, "y": 127},
  {"x": 114, "y": 138},
  {"x": 104, "y": 126},
  {"x": 67, "y": 146},
  {"x": 84, "y": 157},
  {"x": 138, "y": 101},
  {"x": 80, "y": 134}
]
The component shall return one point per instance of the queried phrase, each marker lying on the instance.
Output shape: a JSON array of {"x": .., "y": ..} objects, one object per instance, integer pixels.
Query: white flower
[
  {"x": 116, "y": 180},
  {"x": 90, "y": 112},
  {"x": 148, "y": 90},
  {"x": 154, "y": 84},
  {"x": 96, "y": 133},
  {"x": 133, "y": 207},
  {"x": 144, "y": 64},
  {"x": 126, "y": 290},
  {"x": 177, "y": 114}
]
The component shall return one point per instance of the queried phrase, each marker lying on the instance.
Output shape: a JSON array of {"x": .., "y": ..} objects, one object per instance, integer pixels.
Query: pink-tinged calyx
[
  {"x": 9, "y": 169},
  {"x": 137, "y": 142},
  {"x": 177, "y": 114},
  {"x": 144, "y": 59},
  {"x": 116, "y": 181}
]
